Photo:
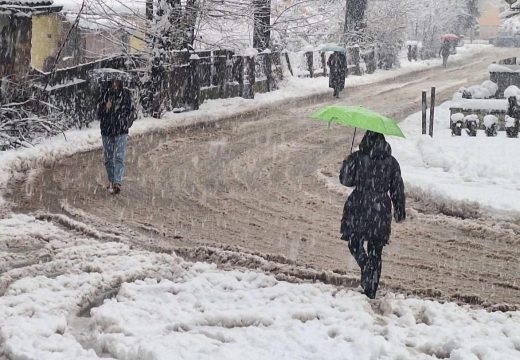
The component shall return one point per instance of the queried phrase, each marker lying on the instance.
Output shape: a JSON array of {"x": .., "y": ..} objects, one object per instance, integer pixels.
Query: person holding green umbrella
[
  {"x": 367, "y": 214},
  {"x": 376, "y": 176}
]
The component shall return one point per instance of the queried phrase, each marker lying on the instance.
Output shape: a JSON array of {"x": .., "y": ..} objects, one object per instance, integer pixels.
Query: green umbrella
[{"x": 358, "y": 117}]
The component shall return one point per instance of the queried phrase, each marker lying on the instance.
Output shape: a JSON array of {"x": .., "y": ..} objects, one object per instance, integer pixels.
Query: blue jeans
[{"x": 114, "y": 149}]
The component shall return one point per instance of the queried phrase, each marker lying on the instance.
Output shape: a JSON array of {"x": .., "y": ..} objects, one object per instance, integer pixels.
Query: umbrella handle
[{"x": 353, "y": 138}]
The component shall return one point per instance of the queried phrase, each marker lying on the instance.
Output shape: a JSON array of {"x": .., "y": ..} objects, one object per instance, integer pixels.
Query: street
[{"x": 255, "y": 192}]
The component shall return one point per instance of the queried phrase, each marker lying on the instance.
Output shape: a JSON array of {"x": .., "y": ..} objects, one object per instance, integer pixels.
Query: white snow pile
[
  {"x": 471, "y": 117},
  {"x": 474, "y": 169},
  {"x": 457, "y": 117},
  {"x": 479, "y": 92},
  {"x": 490, "y": 86},
  {"x": 481, "y": 104},
  {"x": 39, "y": 302},
  {"x": 237, "y": 315},
  {"x": 503, "y": 68},
  {"x": 490, "y": 120},
  {"x": 487, "y": 90},
  {"x": 165, "y": 308},
  {"x": 512, "y": 91}
]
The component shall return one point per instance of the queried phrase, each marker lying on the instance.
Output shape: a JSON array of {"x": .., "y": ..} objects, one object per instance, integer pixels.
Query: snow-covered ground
[
  {"x": 478, "y": 169},
  {"x": 156, "y": 306},
  {"x": 82, "y": 295}
]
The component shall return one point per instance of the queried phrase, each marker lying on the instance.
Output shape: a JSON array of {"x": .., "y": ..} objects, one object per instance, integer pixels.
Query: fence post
[
  {"x": 268, "y": 67},
  {"x": 219, "y": 61},
  {"x": 195, "y": 81},
  {"x": 432, "y": 110},
  {"x": 424, "y": 108},
  {"x": 288, "y": 63},
  {"x": 156, "y": 91},
  {"x": 249, "y": 89},
  {"x": 238, "y": 74},
  {"x": 310, "y": 63}
]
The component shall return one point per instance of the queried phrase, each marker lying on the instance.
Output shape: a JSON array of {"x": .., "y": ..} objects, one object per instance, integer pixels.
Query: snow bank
[
  {"x": 40, "y": 301},
  {"x": 475, "y": 169},
  {"x": 140, "y": 305},
  {"x": 237, "y": 315},
  {"x": 479, "y": 92},
  {"x": 480, "y": 104},
  {"x": 503, "y": 68}
]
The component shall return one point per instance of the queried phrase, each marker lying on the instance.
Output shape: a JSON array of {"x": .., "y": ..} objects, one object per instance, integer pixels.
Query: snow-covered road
[{"x": 258, "y": 185}]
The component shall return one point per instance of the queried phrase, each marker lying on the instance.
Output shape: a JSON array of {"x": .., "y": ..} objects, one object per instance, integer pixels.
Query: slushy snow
[{"x": 159, "y": 307}]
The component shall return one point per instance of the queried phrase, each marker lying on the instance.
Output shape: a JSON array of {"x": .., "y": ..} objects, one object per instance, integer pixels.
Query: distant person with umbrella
[
  {"x": 376, "y": 176},
  {"x": 338, "y": 71},
  {"x": 116, "y": 115}
]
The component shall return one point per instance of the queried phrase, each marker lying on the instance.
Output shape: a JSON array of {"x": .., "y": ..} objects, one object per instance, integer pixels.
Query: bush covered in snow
[{"x": 512, "y": 91}]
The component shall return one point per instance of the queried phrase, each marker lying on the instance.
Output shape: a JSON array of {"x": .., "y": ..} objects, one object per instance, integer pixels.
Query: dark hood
[{"x": 375, "y": 146}]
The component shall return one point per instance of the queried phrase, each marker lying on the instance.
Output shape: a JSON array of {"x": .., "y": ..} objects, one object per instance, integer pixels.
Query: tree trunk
[
  {"x": 190, "y": 19},
  {"x": 354, "y": 21},
  {"x": 262, "y": 24}
]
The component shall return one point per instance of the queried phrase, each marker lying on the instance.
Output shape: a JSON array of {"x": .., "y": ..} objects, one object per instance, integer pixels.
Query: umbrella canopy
[
  {"x": 450, "y": 37},
  {"x": 358, "y": 117},
  {"x": 333, "y": 48}
]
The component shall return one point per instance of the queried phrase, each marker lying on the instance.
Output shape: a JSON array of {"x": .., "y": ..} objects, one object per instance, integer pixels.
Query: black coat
[
  {"x": 445, "y": 49},
  {"x": 119, "y": 118},
  {"x": 338, "y": 70},
  {"x": 376, "y": 176}
]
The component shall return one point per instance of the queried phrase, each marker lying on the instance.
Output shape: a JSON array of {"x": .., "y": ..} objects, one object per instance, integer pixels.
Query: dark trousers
[{"x": 369, "y": 261}]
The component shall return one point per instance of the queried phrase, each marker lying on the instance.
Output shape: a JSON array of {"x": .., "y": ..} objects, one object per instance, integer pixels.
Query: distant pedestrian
[
  {"x": 116, "y": 114},
  {"x": 445, "y": 52},
  {"x": 414, "y": 52},
  {"x": 338, "y": 72},
  {"x": 367, "y": 215}
]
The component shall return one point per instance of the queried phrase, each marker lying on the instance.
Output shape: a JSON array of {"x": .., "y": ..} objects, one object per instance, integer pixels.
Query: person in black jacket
[
  {"x": 367, "y": 215},
  {"x": 115, "y": 113},
  {"x": 338, "y": 72}
]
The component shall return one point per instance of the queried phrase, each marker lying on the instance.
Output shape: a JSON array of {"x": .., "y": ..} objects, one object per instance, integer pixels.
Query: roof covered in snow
[
  {"x": 32, "y": 7},
  {"x": 26, "y": 2},
  {"x": 120, "y": 7}
]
